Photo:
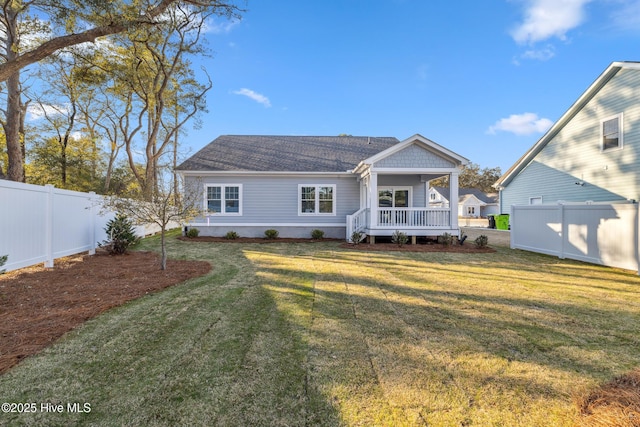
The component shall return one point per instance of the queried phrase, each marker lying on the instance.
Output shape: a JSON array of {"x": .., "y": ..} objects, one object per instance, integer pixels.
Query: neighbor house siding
[
  {"x": 574, "y": 154},
  {"x": 274, "y": 199}
]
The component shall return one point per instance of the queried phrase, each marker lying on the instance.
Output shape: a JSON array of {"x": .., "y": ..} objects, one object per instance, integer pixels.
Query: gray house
[
  {"x": 591, "y": 154},
  {"x": 338, "y": 184}
]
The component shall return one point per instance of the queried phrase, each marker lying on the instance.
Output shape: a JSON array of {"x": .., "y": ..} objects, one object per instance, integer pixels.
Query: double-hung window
[
  {"x": 224, "y": 199},
  {"x": 316, "y": 199},
  {"x": 611, "y": 133}
]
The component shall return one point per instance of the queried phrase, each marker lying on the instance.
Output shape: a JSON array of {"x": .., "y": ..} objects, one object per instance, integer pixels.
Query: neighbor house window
[
  {"x": 611, "y": 130},
  {"x": 317, "y": 199},
  {"x": 223, "y": 199}
]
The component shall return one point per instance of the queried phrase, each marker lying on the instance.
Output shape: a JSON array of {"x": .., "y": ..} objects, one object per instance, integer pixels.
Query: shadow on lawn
[{"x": 385, "y": 314}]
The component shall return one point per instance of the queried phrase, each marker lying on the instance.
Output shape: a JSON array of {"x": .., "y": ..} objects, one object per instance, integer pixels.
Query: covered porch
[{"x": 394, "y": 192}]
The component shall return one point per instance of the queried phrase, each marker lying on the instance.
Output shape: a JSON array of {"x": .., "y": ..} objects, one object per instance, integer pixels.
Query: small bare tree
[{"x": 160, "y": 210}]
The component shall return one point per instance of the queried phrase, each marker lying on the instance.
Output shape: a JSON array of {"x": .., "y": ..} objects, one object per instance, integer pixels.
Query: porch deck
[{"x": 412, "y": 221}]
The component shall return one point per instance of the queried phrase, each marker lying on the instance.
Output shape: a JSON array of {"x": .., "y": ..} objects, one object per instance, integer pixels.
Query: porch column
[
  {"x": 453, "y": 202},
  {"x": 373, "y": 199}
]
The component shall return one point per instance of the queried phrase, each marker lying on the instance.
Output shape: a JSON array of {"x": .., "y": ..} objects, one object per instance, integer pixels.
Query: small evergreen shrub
[
  {"x": 121, "y": 235},
  {"x": 231, "y": 235},
  {"x": 356, "y": 237},
  {"x": 271, "y": 234},
  {"x": 192, "y": 233},
  {"x": 446, "y": 239},
  {"x": 3, "y": 260},
  {"x": 481, "y": 241},
  {"x": 317, "y": 234},
  {"x": 399, "y": 238}
]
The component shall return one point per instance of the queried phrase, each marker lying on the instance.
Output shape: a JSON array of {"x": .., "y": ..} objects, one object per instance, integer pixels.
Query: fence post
[
  {"x": 636, "y": 234},
  {"x": 564, "y": 231},
  {"x": 48, "y": 263},
  {"x": 92, "y": 221}
]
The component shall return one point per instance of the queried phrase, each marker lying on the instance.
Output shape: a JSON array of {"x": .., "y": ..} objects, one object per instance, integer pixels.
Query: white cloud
[
  {"x": 521, "y": 124},
  {"x": 258, "y": 97},
  {"x": 545, "y": 19},
  {"x": 37, "y": 111},
  {"x": 217, "y": 27}
]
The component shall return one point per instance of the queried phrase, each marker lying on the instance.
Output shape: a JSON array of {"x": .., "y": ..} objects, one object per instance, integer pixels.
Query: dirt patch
[
  {"x": 425, "y": 247},
  {"x": 616, "y": 403},
  {"x": 39, "y": 305},
  {"x": 210, "y": 239}
]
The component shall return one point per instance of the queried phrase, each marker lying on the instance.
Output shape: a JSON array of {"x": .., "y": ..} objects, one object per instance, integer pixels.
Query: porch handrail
[
  {"x": 413, "y": 217},
  {"x": 357, "y": 222}
]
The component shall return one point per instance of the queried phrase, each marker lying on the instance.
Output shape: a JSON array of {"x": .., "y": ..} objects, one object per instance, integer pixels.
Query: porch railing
[
  {"x": 357, "y": 222},
  {"x": 398, "y": 218},
  {"x": 413, "y": 217}
]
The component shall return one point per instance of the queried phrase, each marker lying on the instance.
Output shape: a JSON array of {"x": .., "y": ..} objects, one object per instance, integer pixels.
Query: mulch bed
[
  {"x": 422, "y": 246},
  {"x": 38, "y": 305}
]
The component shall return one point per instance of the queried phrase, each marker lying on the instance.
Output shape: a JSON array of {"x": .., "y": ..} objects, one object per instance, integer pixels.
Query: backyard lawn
[{"x": 311, "y": 334}]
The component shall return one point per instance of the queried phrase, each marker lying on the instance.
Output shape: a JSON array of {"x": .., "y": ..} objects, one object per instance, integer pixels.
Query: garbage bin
[
  {"x": 502, "y": 222},
  {"x": 492, "y": 221}
]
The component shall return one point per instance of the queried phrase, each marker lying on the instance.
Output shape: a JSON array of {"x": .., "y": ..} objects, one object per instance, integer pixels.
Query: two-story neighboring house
[
  {"x": 574, "y": 193},
  {"x": 591, "y": 154}
]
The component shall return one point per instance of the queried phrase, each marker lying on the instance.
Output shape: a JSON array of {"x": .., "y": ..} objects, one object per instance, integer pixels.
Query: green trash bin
[{"x": 502, "y": 222}]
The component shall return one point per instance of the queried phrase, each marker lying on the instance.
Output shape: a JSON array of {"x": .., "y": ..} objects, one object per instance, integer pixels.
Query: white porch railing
[
  {"x": 398, "y": 218},
  {"x": 413, "y": 218},
  {"x": 357, "y": 222}
]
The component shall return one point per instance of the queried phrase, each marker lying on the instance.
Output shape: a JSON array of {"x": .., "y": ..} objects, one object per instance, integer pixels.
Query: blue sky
[{"x": 485, "y": 79}]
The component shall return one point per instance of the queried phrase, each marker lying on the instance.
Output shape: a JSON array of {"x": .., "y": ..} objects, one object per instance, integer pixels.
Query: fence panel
[
  {"x": 39, "y": 224},
  {"x": 604, "y": 234}
]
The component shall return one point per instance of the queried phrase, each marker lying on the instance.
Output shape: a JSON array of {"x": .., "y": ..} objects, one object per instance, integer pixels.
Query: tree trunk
[
  {"x": 15, "y": 168},
  {"x": 163, "y": 261}
]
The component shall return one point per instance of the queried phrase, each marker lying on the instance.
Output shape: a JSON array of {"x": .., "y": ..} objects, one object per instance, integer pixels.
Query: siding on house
[
  {"x": 266, "y": 198},
  {"x": 418, "y": 187},
  {"x": 574, "y": 153}
]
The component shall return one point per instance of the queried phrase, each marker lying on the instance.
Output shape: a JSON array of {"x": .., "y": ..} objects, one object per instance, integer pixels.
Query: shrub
[
  {"x": 121, "y": 235},
  {"x": 356, "y": 237},
  {"x": 3, "y": 260},
  {"x": 481, "y": 241},
  {"x": 317, "y": 234},
  {"x": 231, "y": 235},
  {"x": 271, "y": 234},
  {"x": 193, "y": 233},
  {"x": 446, "y": 239},
  {"x": 399, "y": 238}
]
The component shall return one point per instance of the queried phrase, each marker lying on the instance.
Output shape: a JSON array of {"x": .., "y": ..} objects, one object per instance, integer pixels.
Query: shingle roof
[
  {"x": 264, "y": 153},
  {"x": 464, "y": 193}
]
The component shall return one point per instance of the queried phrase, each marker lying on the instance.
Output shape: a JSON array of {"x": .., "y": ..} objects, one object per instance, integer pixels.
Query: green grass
[{"x": 314, "y": 334}]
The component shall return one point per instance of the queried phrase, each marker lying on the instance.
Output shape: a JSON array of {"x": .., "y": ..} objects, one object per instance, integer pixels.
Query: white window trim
[
  {"x": 531, "y": 199},
  {"x": 620, "y": 117},
  {"x": 317, "y": 201},
  {"x": 223, "y": 205}
]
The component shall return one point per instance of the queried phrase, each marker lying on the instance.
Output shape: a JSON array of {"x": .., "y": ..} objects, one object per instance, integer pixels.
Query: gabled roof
[
  {"x": 421, "y": 141},
  {"x": 611, "y": 71},
  {"x": 465, "y": 193},
  {"x": 262, "y": 153}
]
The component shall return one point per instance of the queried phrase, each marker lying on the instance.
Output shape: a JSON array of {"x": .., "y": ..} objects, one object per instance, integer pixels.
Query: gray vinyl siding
[
  {"x": 574, "y": 153},
  {"x": 274, "y": 199},
  {"x": 418, "y": 187}
]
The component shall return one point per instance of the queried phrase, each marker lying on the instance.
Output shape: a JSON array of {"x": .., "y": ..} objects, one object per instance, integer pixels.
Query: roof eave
[{"x": 520, "y": 164}]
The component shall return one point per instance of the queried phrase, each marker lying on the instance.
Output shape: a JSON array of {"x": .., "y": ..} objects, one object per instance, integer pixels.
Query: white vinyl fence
[
  {"x": 40, "y": 224},
  {"x": 606, "y": 234}
]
